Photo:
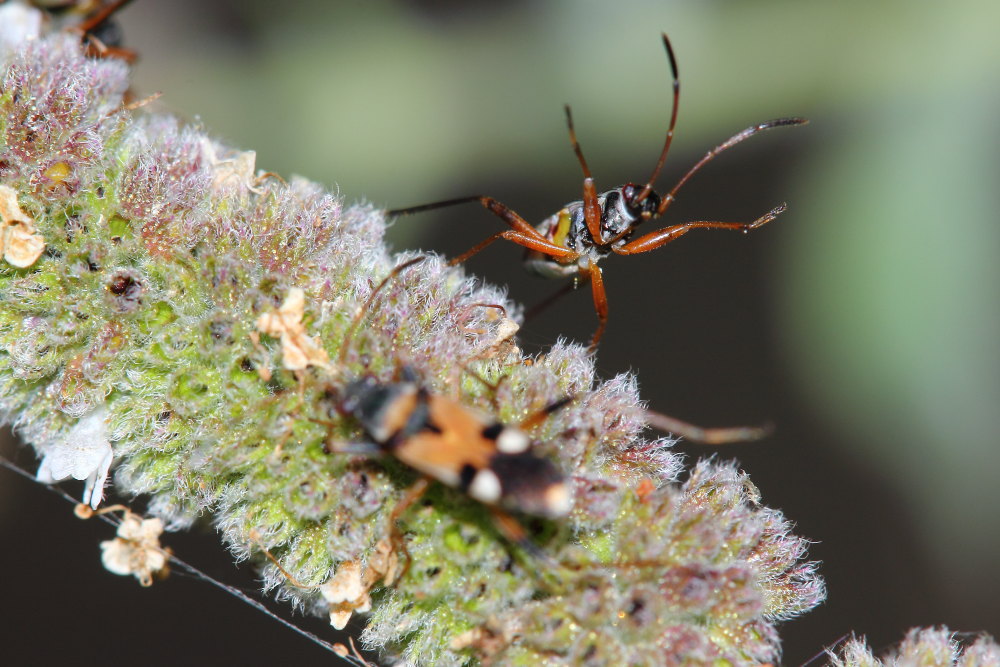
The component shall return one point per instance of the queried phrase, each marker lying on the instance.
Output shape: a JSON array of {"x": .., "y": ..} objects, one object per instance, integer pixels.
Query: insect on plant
[
  {"x": 453, "y": 444},
  {"x": 448, "y": 442},
  {"x": 570, "y": 243},
  {"x": 94, "y": 21}
]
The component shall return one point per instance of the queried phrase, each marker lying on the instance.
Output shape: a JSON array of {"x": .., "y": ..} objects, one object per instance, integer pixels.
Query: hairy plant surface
[
  {"x": 196, "y": 324},
  {"x": 922, "y": 647}
]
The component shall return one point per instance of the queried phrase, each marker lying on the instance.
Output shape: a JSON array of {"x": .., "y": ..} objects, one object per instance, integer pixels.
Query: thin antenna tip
[
  {"x": 794, "y": 120},
  {"x": 670, "y": 56},
  {"x": 776, "y": 211}
]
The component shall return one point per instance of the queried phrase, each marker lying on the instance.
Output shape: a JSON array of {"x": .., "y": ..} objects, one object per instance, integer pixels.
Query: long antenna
[
  {"x": 673, "y": 122},
  {"x": 576, "y": 144},
  {"x": 743, "y": 135},
  {"x": 356, "y": 322}
]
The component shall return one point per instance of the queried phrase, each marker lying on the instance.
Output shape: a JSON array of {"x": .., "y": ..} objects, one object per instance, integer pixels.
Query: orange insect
[{"x": 571, "y": 242}]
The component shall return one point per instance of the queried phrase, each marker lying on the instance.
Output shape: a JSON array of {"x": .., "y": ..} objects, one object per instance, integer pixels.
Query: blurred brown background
[{"x": 864, "y": 322}]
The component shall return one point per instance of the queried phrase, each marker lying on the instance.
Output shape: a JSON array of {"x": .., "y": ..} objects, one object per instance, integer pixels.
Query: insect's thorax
[{"x": 568, "y": 229}]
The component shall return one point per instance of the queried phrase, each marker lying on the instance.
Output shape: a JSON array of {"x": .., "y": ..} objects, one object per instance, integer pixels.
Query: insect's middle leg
[
  {"x": 543, "y": 305},
  {"x": 600, "y": 305},
  {"x": 412, "y": 495},
  {"x": 596, "y": 279}
]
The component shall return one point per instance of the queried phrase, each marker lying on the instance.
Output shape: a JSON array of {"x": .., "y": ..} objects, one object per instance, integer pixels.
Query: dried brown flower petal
[
  {"x": 348, "y": 590},
  {"x": 21, "y": 245},
  {"x": 298, "y": 349},
  {"x": 231, "y": 170},
  {"x": 137, "y": 549},
  {"x": 383, "y": 564},
  {"x": 346, "y": 594}
]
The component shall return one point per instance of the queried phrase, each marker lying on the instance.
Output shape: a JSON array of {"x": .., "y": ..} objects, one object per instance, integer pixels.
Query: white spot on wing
[
  {"x": 558, "y": 500},
  {"x": 485, "y": 487},
  {"x": 512, "y": 441}
]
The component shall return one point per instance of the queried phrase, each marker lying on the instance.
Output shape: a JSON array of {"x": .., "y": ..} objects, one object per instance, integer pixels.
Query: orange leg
[
  {"x": 600, "y": 304},
  {"x": 411, "y": 496},
  {"x": 521, "y": 232},
  {"x": 98, "y": 49},
  {"x": 515, "y": 533},
  {"x": 533, "y": 420},
  {"x": 654, "y": 240},
  {"x": 534, "y": 241},
  {"x": 706, "y": 436},
  {"x": 95, "y": 47},
  {"x": 596, "y": 278}
]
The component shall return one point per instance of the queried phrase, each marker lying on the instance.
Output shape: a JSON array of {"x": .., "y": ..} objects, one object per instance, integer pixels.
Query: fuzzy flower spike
[{"x": 184, "y": 318}]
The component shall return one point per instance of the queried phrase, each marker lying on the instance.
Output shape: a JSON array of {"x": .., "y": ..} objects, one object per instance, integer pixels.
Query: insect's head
[
  {"x": 644, "y": 208},
  {"x": 360, "y": 394},
  {"x": 382, "y": 409}
]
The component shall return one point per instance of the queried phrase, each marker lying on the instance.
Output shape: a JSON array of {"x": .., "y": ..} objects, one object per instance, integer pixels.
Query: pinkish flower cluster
[
  {"x": 922, "y": 647},
  {"x": 199, "y": 324}
]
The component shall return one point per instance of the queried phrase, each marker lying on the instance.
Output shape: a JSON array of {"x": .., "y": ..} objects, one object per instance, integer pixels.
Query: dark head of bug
[
  {"x": 639, "y": 209},
  {"x": 572, "y": 241}
]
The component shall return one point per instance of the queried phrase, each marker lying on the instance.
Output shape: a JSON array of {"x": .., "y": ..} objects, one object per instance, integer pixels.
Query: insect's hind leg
[{"x": 521, "y": 231}]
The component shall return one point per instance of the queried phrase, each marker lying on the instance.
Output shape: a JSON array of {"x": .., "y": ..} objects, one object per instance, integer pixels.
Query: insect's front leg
[{"x": 654, "y": 240}]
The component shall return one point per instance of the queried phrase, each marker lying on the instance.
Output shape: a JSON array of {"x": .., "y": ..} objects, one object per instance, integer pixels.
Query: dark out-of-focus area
[{"x": 864, "y": 323}]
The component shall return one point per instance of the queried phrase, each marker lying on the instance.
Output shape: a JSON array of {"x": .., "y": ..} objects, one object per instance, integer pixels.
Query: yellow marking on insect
[{"x": 562, "y": 228}]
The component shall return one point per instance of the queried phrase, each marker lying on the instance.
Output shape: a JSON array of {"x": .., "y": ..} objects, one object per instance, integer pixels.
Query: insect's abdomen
[
  {"x": 531, "y": 484},
  {"x": 559, "y": 230}
]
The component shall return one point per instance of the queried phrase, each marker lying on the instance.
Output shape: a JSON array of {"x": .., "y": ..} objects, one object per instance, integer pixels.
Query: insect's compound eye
[
  {"x": 645, "y": 208},
  {"x": 650, "y": 204}
]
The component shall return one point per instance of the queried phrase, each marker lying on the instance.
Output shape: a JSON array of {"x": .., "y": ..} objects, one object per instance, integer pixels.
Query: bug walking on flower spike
[
  {"x": 465, "y": 449},
  {"x": 453, "y": 444},
  {"x": 571, "y": 242}
]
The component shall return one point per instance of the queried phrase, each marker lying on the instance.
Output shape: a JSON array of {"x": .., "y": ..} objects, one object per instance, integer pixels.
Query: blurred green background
[{"x": 865, "y": 322}]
